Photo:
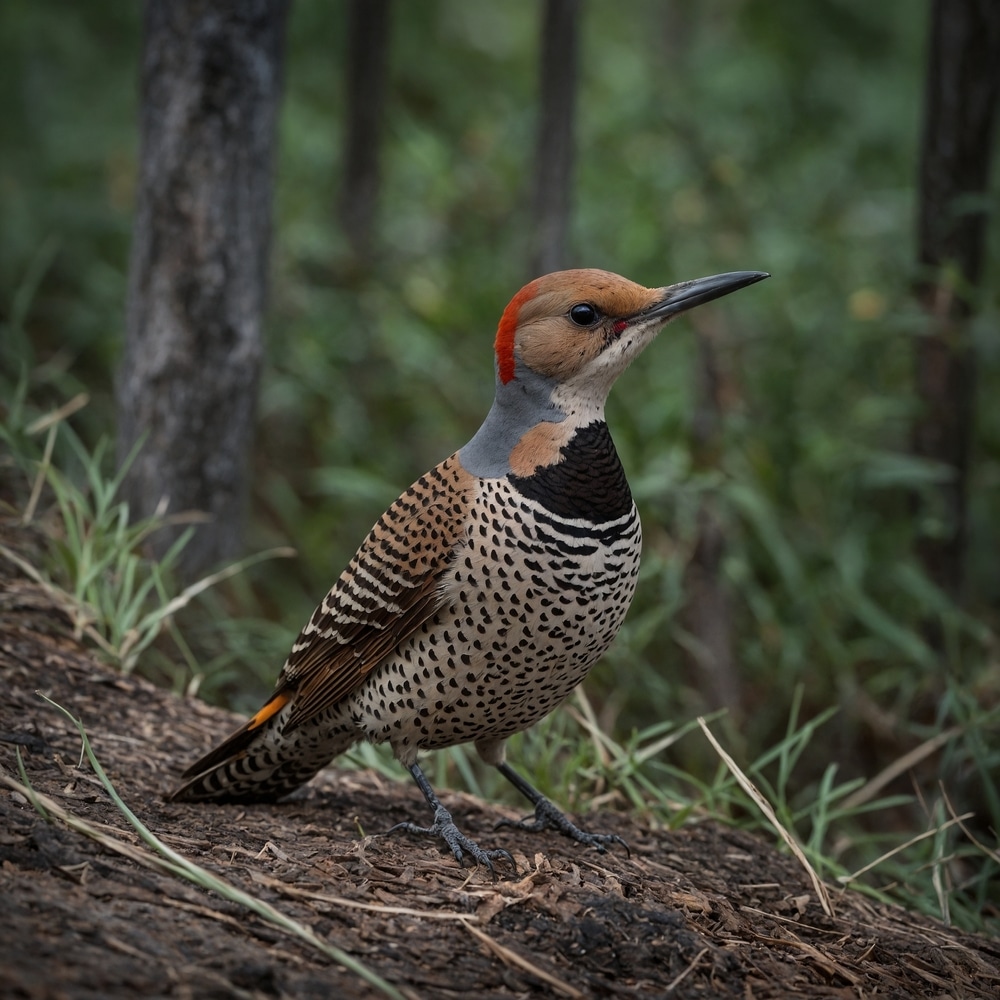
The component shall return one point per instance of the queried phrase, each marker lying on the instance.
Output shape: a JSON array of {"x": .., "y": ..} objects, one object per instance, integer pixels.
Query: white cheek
[
  {"x": 583, "y": 396},
  {"x": 616, "y": 358}
]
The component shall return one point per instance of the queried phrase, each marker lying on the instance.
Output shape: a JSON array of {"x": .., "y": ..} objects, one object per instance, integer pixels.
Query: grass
[
  {"x": 97, "y": 570},
  {"x": 784, "y": 145},
  {"x": 871, "y": 833},
  {"x": 172, "y": 863},
  {"x": 944, "y": 870},
  {"x": 122, "y": 602}
]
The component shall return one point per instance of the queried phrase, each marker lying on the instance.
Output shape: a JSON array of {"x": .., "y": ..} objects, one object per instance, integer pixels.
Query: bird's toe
[
  {"x": 548, "y": 817},
  {"x": 460, "y": 845}
]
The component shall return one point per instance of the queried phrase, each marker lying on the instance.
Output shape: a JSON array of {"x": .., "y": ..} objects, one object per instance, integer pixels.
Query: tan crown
[{"x": 547, "y": 339}]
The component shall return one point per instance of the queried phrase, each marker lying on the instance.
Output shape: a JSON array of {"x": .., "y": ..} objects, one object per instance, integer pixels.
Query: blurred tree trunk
[
  {"x": 211, "y": 83},
  {"x": 707, "y": 614},
  {"x": 367, "y": 61},
  {"x": 555, "y": 148},
  {"x": 960, "y": 112}
]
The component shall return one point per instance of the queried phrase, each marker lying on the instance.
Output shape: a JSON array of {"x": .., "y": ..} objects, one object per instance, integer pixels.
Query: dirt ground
[{"x": 701, "y": 912}]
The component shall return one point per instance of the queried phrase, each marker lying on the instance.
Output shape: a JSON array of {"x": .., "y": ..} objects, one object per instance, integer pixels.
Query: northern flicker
[{"x": 487, "y": 591}]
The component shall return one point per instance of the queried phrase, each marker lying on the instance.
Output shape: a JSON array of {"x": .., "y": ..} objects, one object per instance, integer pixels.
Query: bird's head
[
  {"x": 581, "y": 329},
  {"x": 562, "y": 342}
]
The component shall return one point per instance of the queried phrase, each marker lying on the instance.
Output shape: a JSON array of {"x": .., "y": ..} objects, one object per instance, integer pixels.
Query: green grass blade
[{"x": 187, "y": 869}]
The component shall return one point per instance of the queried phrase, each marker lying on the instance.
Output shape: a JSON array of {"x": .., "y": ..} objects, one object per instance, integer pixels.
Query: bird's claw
[
  {"x": 548, "y": 817},
  {"x": 461, "y": 845}
]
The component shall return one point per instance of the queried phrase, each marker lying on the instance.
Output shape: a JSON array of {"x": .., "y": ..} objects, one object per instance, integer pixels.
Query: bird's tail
[{"x": 257, "y": 763}]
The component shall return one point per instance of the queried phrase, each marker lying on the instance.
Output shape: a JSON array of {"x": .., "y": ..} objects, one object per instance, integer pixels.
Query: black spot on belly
[{"x": 588, "y": 482}]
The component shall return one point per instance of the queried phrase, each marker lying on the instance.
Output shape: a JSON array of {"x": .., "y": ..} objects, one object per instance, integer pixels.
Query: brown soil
[{"x": 702, "y": 912}]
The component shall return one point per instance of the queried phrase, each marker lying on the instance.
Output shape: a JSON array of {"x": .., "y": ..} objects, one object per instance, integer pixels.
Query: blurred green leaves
[{"x": 712, "y": 135}]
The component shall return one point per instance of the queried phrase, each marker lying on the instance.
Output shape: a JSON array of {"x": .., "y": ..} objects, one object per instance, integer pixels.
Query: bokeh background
[{"x": 775, "y": 426}]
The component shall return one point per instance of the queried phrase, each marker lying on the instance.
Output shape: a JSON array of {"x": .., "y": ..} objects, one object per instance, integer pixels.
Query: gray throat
[{"x": 520, "y": 404}]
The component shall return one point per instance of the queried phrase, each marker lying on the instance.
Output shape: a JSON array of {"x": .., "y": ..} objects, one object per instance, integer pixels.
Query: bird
[{"x": 488, "y": 590}]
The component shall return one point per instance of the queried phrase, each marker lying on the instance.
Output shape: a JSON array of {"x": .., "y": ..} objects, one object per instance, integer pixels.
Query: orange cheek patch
[
  {"x": 539, "y": 446},
  {"x": 552, "y": 347}
]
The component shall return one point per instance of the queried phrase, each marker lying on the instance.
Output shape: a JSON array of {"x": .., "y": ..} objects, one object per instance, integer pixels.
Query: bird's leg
[
  {"x": 444, "y": 827},
  {"x": 549, "y": 817}
]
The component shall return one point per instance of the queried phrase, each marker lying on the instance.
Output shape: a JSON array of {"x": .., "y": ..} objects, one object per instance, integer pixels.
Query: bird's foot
[
  {"x": 548, "y": 817},
  {"x": 461, "y": 845}
]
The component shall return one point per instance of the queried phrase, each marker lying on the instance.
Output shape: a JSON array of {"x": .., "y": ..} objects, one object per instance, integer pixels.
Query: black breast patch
[{"x": 589, "y": 482}]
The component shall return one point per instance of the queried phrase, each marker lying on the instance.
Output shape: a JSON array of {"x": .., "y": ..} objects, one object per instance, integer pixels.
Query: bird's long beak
[{"x": 688, "y": 294}]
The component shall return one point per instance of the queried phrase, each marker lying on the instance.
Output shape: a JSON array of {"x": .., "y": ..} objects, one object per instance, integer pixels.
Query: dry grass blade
[
  {"x": 58, "y": 596},
  {"x": 587, "y": 718},
  {"x": 909, "y": 760},
  {"x": 293, "y": 892},
  {"x": 36, "y": 490},
  {"x": 64, "y": 602},
  {"x": 51, "y": 423},
  {"x": 847, "y": 879},
  {"x": 168, "y": 860},
  {"x": 57, "y": 416},
  {"x": 765, "y": 807},
  {"x": 50, "y": 809},
  {"x": 150, "y": 625},
  {"x": 184, "y": 598},
  {"x": 81, "y": 616},
  {"x": 988, "y": 851},
  {"x": 520, "y": 962},
  {"x": 829, "y": 965},
  {"x": 684, "y": 973}
]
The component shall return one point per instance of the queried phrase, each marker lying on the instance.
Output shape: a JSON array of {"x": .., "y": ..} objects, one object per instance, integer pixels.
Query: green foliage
[
  {"x": 98, "y": 572},
  {"x": 99, "y": 552},
  {"x": 112, "y": 593},
  {"x": 711, "y": 136}
]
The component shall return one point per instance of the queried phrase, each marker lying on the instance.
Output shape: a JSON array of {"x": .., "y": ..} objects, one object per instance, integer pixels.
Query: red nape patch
[{"x": 504, "y": 344}]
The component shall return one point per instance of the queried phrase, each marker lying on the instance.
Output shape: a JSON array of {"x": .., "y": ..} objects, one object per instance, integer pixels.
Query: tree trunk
[
  {"x": 959, "y": 116},
  {"x": 707, "y": 614},
  {"x": 554, "y": 155},
  {"x": 367, "y": 62},
  {"x": 211, "y": 83}
]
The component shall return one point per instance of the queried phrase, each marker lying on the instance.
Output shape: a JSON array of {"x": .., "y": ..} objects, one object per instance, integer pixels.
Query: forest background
[{"x": 769, "y": 439}]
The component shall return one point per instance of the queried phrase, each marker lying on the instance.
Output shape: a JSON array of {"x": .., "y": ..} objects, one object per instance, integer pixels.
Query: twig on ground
[{"x": 765, "y": 807}]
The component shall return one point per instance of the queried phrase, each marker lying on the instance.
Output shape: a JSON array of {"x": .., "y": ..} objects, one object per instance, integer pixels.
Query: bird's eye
[{"x": 583, "y": 314}]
